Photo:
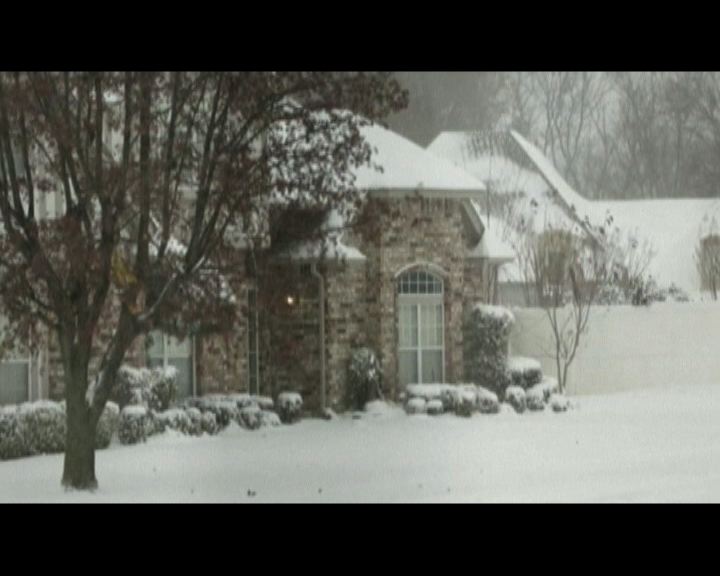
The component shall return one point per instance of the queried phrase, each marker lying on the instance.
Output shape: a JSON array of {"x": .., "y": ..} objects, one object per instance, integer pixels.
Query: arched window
[{"x": 421, "y": 346}]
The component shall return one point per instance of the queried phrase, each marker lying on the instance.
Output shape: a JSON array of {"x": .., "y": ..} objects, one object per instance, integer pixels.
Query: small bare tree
[{"x": 567, "y": 272}]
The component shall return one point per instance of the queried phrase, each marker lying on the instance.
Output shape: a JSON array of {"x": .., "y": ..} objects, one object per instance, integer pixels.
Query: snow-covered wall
[{"x": 630, "y": 347}]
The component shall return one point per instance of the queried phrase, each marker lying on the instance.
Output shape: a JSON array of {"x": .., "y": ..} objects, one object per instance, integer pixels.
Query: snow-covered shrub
[
  {"x": 486, "y": 334},
  {"x": 466, "y": 401},
  {"x": 249, "y": 417},
  {"x": 196, "y": 421},
  {"x": 364, "y": 378},
  {"x": 107, "y": 425},
  {"x": 548, "y": 386},
  {"x": 269, "y": 419},
  {"x": 13, "y": 442},
  {"x": 515, "y": 396},
  {"x": 534, "y": 399},
  {"x": 253, "y": 417},
  {"x": 524, "y": 372},
  {"x": 174, "y": 419},
  {"x": 44, "y": 426},
  {"x": 132, "y": 386},
  {"x": 136, "y": 424},
  {"x": 289, "y": 407},
  {"x": 450, "y": 398},
  {"x": 487, "y": 401},
  {"x": 265, "y": 402},
  {"x": 163, "y": 388},
  {"x": 559, "y": 403},
  {"x": 208, "y": 423},
  {"x": 434, "y": 407},
  {"x": 416, "y": 405}
]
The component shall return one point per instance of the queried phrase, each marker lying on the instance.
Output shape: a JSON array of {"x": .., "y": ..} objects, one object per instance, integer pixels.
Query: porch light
[{"x": 290, "y": 300}]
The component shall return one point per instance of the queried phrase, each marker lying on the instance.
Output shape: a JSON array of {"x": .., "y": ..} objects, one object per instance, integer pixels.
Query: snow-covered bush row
[
  {"x": 461, "y": 399},
  {"x": 251, "y": 412},
  {"x": 40, "y": 428},
  {"x": 486, "y": 334},
  {"x": 254, "y": 417},
  {"x": 155, "y": 388},
  {"x": 515, "y": 396},
  {"x": 524, "y": 372},
  {"x": 364, "y": 378},
  {"x": 176, "y": 419},
  {"x": 289, "y": 407},
  {"x": 223, "y": 408}
]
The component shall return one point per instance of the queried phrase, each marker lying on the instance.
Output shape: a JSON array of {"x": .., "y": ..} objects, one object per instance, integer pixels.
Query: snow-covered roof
[
  {"x": 407, "y": 166},
  {"x": 491, "y": 246},
  {"x": 497, "y": 171},
  {"x": 585, "y": 210},
  {"x": 672, "y": 227}
]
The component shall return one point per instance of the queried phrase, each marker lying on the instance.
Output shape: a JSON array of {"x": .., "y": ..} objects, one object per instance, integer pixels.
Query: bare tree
[
  {"x": 156, "y": 171},
  {"x": 568, "y": 272}
]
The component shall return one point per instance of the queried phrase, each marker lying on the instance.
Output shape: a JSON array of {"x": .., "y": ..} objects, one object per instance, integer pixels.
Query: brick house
[{"x": 400, "y": 287}]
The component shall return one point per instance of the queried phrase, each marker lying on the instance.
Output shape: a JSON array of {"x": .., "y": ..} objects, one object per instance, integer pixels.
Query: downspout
[{"x": 321, "y": 287}]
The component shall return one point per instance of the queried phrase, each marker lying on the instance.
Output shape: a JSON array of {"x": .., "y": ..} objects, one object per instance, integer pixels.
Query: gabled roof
[
  {"x": 495, "y": 169},
  {"x": 409, "y": 167},
  {"x": 585, "y": 210}
]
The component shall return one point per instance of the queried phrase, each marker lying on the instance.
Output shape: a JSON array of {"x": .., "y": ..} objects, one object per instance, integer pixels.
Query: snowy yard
[{"x": 653, "y": 445}]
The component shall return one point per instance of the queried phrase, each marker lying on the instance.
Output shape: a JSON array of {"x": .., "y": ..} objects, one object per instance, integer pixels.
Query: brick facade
[{"x": 360, "y": 309}]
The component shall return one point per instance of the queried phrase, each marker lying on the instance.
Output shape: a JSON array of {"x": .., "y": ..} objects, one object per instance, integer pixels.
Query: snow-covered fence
[{"x": 630, "y": 347}]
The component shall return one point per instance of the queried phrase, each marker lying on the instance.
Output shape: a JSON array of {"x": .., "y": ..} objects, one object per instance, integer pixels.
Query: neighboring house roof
[
  {"x": 670, "y": 227},
  {"x": 504, "y": 176}
]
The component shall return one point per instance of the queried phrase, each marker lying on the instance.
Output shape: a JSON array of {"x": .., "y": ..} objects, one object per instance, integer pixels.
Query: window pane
[
  {"x": 408, "y": 326},
  {"x": 156, "y": 345},
  {"x": 432, "y": 366},
  {"x": 408, "y": 367},
  {"x": 184, "y": 376},
  {"x": 179, "y": 348},
  {"x": 13, "y": 382},
  {"x": 431, "y": 325}
]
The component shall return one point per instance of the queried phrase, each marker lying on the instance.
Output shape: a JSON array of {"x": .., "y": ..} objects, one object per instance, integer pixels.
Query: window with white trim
[
  {"x": 165, "y": 350},
  {"x": 421, "y": 346}
]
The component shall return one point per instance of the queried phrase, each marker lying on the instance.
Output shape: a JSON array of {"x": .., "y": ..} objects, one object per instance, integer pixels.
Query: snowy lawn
[{"x": 651, "y": 445}]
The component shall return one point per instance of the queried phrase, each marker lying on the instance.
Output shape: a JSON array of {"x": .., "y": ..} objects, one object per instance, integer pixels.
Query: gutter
[{"x": 321, "y": 287}]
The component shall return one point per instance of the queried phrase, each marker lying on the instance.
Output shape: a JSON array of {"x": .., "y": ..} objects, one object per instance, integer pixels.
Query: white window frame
[{"x": 417, "y": 300}]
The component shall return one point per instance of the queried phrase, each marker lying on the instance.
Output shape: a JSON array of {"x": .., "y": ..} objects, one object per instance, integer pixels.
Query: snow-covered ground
[{"x": 654, "y": 445}]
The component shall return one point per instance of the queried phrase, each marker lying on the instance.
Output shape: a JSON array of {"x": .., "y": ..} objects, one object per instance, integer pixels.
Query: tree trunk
[{"x": 79, "y": 465}]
